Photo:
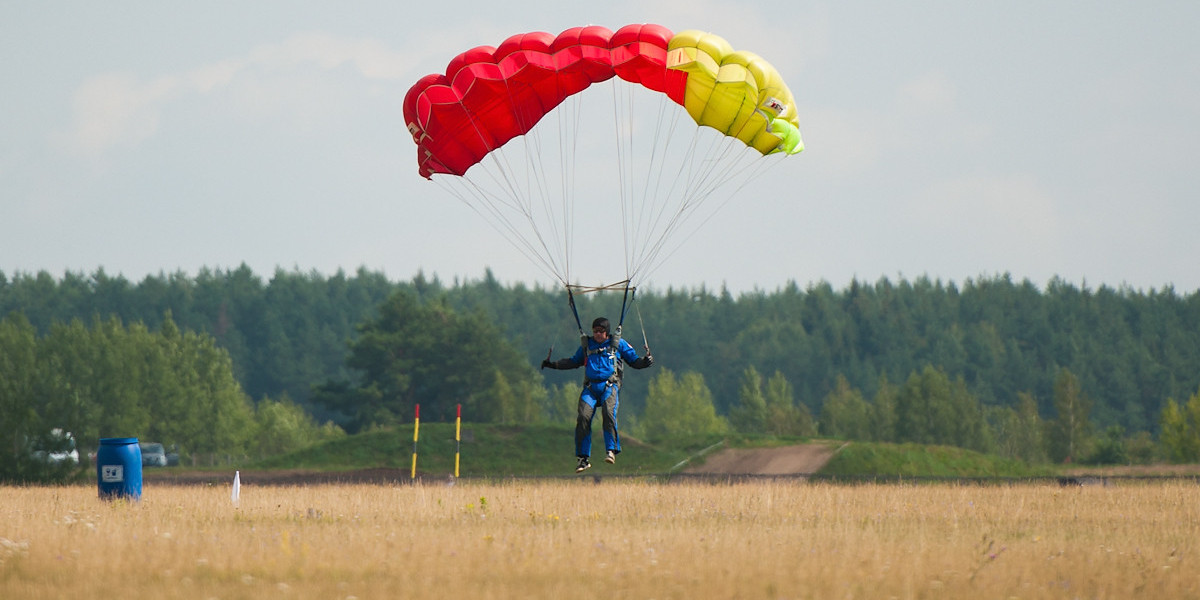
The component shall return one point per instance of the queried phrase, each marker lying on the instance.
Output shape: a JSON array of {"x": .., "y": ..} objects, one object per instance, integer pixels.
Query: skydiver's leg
[
  {"x": 583, "y": 423},
  {"x": 612, "y": 439}
]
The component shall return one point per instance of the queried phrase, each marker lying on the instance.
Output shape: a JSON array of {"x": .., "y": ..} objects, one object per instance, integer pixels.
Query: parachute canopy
[
  {"x": 482, "y": 127},
  {"x": 488, "y": 96}
]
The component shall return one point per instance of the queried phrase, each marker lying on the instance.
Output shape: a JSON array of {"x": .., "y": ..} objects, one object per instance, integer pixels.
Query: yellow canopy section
[{"x": 735, "y": 92}]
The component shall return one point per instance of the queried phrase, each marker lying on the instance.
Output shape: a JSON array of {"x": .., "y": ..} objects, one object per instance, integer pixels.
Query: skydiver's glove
[
  {"x": 642, "y": 362},
  {"x": 562, "y": 363},
  {"x": 546, "y": 364}
]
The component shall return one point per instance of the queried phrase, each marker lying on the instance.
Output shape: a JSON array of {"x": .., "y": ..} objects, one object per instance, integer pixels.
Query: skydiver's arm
[
  {"x": 642, "y": 362},
  {"x": 629, "y": 355},
  {"x": 573, "y": 362}
]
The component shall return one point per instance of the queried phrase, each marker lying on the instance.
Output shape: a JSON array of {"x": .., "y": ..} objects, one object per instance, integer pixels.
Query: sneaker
[
  {"x": 610, "y": 457},
  {"x": 584, "y": 463}
]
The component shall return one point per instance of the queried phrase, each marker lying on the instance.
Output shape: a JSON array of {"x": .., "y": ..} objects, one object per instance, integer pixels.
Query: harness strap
[{"x": 613, "y": 349}]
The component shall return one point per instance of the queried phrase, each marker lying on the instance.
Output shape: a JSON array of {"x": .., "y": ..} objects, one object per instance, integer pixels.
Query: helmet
[{"x": 600, "y": 322}]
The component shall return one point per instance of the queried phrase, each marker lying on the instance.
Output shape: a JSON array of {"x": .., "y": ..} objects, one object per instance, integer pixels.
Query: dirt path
[{"x": 802, "y": 459}]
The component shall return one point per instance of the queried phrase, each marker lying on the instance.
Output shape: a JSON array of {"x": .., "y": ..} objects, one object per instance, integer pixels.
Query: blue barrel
[{"x": 119, "y": 468}]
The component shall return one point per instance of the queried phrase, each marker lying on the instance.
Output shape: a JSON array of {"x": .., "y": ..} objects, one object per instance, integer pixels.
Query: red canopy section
[{"x": 488, "y": 96}]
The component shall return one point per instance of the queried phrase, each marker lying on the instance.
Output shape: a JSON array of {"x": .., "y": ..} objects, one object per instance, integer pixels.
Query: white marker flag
[{"x": 237, "y": 486}]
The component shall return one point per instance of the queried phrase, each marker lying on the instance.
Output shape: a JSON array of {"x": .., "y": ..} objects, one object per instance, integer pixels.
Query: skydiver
[{"x": 601, "y": 386}]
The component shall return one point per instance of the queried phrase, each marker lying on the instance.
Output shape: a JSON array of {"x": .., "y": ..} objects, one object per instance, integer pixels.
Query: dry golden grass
[{"x": 620, "y": 539}]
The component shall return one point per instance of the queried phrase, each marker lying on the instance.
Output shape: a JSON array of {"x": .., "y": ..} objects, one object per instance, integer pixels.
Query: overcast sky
[{"x": 948, "y": 139}]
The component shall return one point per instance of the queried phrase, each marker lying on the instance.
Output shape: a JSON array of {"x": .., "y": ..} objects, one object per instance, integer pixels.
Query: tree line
[
  {"x": 109, "y": 380},
  {"x": 1002, "y": 343}
]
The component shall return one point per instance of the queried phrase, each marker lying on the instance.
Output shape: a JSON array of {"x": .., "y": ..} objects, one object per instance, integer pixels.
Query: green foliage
[
  {"x": 1181, "y": 430},
  {"x": 1070, "y": 430},
  {"x": 774, "y": 412},
  {"x": 425, "y": 353},
  {"x": 25, "y": 419},
  {"x": 282, "y": 335},
  {"x": 109, "y": 380},
  {"x": 1130, "y": 350},
  {"x": 1109, "y": 449},
  {"x": 559, "y": 404},
  {"x": 784, "y": 416},
  {"x": 931, "y": 409},
  {"x": 679, "y": 406},
  {"x": 1018, "y": 431},
  {"x": 750, "y": 414},
  {"x": 283, "y": 426},
  {"x": 1142, "y": 449},
  {"x": 883, "y": 412},
  {"x": 845, "y": 414}
]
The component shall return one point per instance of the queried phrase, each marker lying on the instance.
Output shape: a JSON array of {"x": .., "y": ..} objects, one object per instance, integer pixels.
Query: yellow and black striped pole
[
  {"x": 416, "y": 429},
  {"x": 457, "y": 437}
]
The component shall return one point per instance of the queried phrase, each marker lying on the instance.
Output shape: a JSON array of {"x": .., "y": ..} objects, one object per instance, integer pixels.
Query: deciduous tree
[
  {"x": 1070, "y": 429},
  {"x": 1180, "y": 425},
  {"x": 844, "y": 413},
  {"x": 750, "y": 413},
  {"x": 679, "y": 406}
]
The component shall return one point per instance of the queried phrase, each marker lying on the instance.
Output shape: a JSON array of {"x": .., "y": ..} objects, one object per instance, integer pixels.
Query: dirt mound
[{"x": 802, "y": 459}]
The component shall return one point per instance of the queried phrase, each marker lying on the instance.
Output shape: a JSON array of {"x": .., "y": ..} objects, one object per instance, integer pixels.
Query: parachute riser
[
  {"x": 629, "y": 299},
  {"x": 624, "y": 304},
  {"x": 574, "y": 311}
]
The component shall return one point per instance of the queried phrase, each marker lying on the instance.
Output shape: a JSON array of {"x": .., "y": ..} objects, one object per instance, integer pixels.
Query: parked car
[
  {"x": 153, "y": 454},
  {"x": 56, "y": 448}
]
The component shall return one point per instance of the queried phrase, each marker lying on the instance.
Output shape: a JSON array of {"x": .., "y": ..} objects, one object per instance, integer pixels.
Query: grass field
[{"x": 575, "y": 538}]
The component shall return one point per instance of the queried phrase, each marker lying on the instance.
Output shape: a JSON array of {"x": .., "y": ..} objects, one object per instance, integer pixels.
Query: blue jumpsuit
[{"x": 601, "y": 387}]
